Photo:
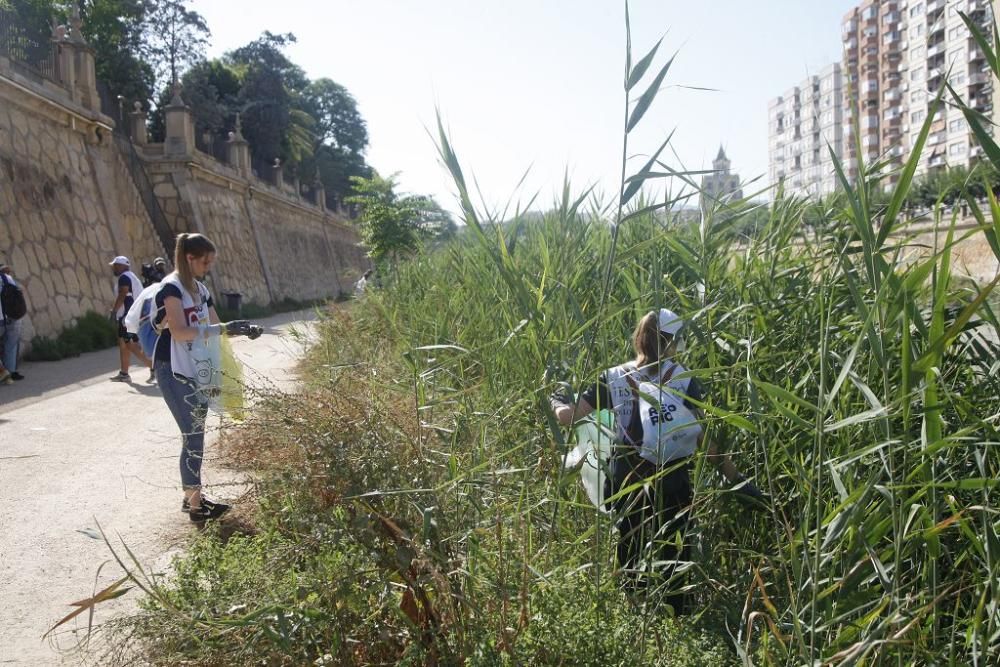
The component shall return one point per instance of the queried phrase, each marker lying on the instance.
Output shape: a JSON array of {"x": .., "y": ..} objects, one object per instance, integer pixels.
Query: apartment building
[
  {"x": 897, "y": 55},
  {"x": 875, "y": 86},
  {"x": 804, "y": 125},
  {"x": 941, "y": 48}
]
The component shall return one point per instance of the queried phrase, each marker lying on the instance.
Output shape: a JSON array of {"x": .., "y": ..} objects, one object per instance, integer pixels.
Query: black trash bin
[{"x": 234, "y": 302}]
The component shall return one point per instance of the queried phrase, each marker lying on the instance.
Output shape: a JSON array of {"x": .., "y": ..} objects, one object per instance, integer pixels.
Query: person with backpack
[
  {"x": 658, "y": 433},
  {"x": 184, "y": 314},
  {"x": 12, "y": 309},
  {"x": 127, "y": 287}
]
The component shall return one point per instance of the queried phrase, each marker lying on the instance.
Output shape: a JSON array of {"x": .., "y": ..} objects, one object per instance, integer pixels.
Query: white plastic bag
[{"x": 594, "y": 441}]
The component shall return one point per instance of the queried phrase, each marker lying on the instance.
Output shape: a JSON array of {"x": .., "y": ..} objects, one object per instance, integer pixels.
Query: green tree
[
  {"x": 393, "y": 226},
  {"x": 212, "y": 89},
  {"x": 115, "y": 30},
  {"x": 338, "y": 122},
  {"x": 272, "y": 123},
  {"x": 175, "y": 39}
]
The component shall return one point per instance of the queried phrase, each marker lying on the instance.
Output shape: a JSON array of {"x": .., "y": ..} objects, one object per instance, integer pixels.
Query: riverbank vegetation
[{"x": 411, "y": 505}]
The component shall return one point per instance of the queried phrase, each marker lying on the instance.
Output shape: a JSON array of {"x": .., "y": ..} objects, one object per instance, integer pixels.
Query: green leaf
[
  {"x": 906, "y": 177},
  {"x": 640, "y": 67},
  {"x": 635, "y": 182},
  {"x": 973, "y": 117},
  {"x": 647, "y": 97}
]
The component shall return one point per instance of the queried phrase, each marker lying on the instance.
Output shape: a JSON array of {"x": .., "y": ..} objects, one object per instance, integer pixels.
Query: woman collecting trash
[
  {"x": 185, "y": 308},
  {"x": 657, "y": 436}
]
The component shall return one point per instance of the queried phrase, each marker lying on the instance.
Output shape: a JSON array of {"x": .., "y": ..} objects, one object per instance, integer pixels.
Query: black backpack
[{"x": 12, "y": 301}]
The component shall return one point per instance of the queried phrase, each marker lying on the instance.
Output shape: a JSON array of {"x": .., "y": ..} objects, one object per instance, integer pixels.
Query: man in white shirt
[{"x": 127, "y": 286}]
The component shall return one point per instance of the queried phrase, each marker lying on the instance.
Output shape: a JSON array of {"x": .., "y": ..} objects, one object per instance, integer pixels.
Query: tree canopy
[
  {"x": 393, "y": 225},
  {"x": 314, "y": 127}
]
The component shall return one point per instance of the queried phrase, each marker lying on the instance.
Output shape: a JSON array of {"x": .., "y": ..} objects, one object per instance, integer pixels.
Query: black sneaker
[
  {"x": 16, "y": 376},
  {"x": 207, "y": 512},
  {"x": 186, "y": 506}
]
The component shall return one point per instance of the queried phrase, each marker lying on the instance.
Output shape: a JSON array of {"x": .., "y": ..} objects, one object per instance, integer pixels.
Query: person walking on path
[
  {"x": 185, "y": 313},
  {"x": 127, "y": 287},
  {"x": 656, "y": 441},
  {"x": 10, "y": 334}
]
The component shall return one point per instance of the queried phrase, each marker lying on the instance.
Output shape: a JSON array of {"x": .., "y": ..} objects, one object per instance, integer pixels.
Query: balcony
[
  {"x": 890, "y": 17},
  {"x": 934, "y": 6},
  {"x": 976, "y": 54},
  {"x": 893, "y": 94},
  {"x": 981, "y": 103},
  {"x": 937, "y": 161},
  {"x": 978, "y": 78},
  {"x": 936, "y": 29},
  {"x": 934, "y": 73},
  {"x": 937, "y": 49},
  {"x": 935, "y": 139}
]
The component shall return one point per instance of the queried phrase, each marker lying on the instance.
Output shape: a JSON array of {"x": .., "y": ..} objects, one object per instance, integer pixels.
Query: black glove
[
  {"x": 748, "y": 491},
  {"x": 563, "y": 395},
  {"x": 255, "y": 331},
  {"x": 238, "y": 328}
]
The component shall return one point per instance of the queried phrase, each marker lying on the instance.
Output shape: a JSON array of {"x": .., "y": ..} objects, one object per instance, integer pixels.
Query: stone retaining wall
[{"x": 68, "y": 204}]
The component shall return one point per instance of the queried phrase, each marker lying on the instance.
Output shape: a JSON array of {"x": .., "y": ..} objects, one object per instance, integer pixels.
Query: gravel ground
[{"x": 76, "y": 451}]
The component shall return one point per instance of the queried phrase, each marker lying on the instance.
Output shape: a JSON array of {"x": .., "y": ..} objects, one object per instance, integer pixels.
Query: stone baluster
[
  {"x": 279, "y": 173},
  {"x": 137, "y": 120},
  {"x": 319, "y": 191},
  {"x": 239, "y": 150},
  {"x": 180, "y": 126},
  {"x": 85, "y": 75}
]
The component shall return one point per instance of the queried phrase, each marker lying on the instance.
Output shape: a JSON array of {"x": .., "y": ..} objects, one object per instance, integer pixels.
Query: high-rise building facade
[
  {"x": 805, "y": 124},
  {"x": 941, "y": 48},
  {"x": 874, "y": 85},
  {"x": 897, "y": 55}
]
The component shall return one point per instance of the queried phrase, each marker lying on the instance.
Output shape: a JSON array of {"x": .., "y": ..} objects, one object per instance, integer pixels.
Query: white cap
[
  {"x": 120, "y": 259},
  {"x": 670, "y": 322}
]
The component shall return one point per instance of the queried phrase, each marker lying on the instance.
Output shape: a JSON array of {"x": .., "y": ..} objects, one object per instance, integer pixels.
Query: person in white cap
[
  {"x": 127, "y": 287},
  {"x": 654, "y": 402}
]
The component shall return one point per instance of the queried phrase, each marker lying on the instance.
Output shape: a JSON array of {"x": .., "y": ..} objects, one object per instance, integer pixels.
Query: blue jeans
[
  {"x": 189, "y": 409},
  {"x": 10, "y": 333}
]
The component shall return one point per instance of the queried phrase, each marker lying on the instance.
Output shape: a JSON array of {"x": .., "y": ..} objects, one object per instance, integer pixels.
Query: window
[
  {"x": 917, "y": 116},
  {"x": 956, "y": 149},
  {"x": 953, "y": 33},
  {"x": 916, "y": 10},
  {"x": 956, "y": 56},
  {"x": 917, "y": 74},
  {"x": 917, "y": 96},
  {"x": 957, "y": 79},
  {"x": 955, "y": 126},
  {"x": 917, "y": 53},
  {"x": 869, "y": 13}
]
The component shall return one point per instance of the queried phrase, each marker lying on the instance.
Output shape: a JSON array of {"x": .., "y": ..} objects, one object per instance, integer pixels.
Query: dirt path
[{"x": 76, "y": 450}]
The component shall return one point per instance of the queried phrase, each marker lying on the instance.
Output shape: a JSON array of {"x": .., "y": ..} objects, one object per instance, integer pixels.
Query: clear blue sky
[{"x": 539, "y": 82}]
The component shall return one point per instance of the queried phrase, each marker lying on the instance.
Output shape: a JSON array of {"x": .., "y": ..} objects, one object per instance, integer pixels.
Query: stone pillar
[
  {"x": 180, "y": 126},
  {"x": 85, "y": 88},
  {"x": 239, "y": 150},
  {"x": 279, "y": 173},
  {"x": 137, "y": 120},
  {"x": 320, "y": 192}
]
